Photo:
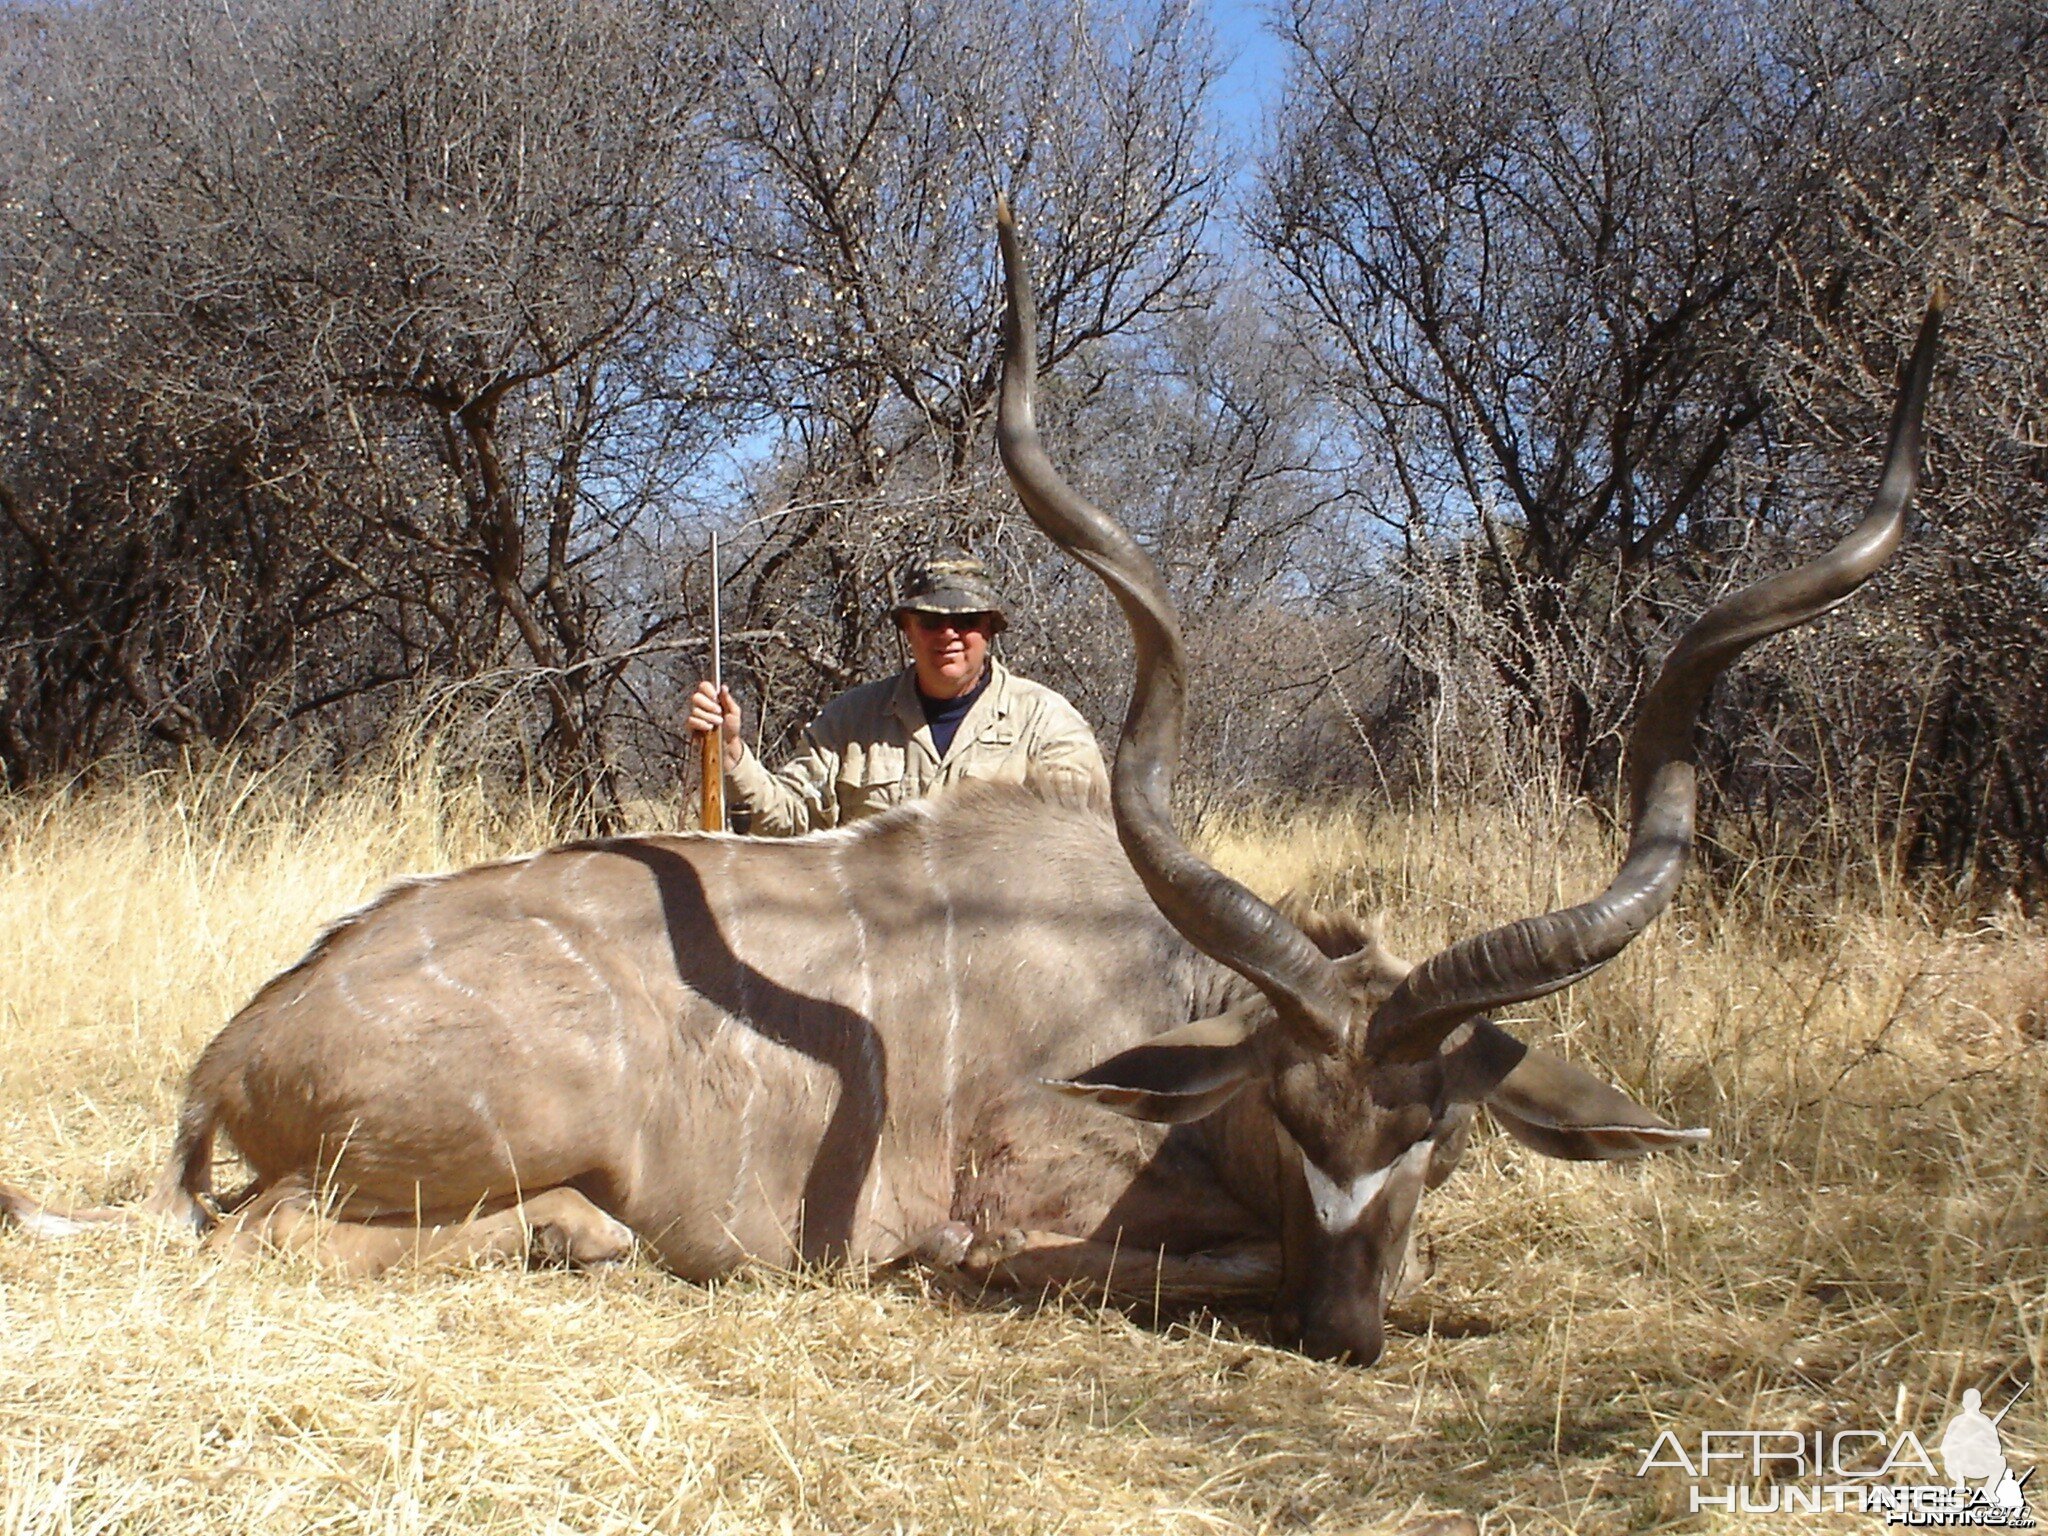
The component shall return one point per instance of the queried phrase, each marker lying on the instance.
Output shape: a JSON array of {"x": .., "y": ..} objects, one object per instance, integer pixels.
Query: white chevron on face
[{"x": 1338, "y": 1206}]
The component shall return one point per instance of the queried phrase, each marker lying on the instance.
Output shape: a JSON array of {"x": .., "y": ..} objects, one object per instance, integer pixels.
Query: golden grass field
[{"x": 1866, "y": 1235}]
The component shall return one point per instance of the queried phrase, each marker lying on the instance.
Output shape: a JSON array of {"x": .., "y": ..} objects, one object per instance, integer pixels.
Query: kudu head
[{"x": 1372, "y": 1069}]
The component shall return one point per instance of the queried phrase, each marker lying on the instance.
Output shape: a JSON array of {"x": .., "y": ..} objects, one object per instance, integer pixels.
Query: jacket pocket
[
  {"x": 872, "y": 784},
  {"x": 995, "y": 755}
]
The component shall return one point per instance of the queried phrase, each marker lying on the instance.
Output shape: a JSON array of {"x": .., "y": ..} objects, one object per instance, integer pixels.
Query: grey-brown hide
[
  {"x": 807, "y": 1049},
  {"x": 793, "y": 1050}
]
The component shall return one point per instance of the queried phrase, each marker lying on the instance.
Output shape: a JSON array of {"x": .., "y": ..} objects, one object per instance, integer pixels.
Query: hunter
[{"x": 955, "y": 713}]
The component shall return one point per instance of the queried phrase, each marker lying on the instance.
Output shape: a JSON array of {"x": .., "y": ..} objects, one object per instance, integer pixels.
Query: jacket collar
[{"x": 994, "y": 703}]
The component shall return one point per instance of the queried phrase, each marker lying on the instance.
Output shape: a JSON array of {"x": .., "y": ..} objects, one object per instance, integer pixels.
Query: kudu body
[{"x": 841, "y": 1045}]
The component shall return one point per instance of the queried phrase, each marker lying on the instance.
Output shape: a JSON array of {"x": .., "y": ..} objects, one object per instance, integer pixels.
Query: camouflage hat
[{"x": 949, "y": 581}]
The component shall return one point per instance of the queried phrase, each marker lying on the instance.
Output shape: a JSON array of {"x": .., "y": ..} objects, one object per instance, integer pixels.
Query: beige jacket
[{"x": 870, "y": 749}]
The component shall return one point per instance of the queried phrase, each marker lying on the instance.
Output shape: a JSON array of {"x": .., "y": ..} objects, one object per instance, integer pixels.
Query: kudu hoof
[
  {"x": 946, "y": 1246},
  {"x": 578, "y": 1240},
  {"x": 991, "y": 1248}
]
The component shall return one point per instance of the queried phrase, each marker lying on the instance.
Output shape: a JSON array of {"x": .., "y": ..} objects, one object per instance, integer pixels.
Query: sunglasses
[{"x": 932, "y": 623}]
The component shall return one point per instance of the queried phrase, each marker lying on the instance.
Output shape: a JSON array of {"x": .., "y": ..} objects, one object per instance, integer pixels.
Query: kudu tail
[
  {"x": 175, "y": 1202},
  {"x": 50, "y": 1221}
]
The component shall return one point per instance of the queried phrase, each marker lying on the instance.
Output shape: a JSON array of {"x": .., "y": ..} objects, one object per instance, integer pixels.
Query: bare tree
[
  {"x": 360, "y": 351},
  {"x": 387, "y": 296},
  {"x": 869, "y": 140},
  {"x": 1532, "y": 246},
  {"x": 1210, "y": 441},
  {"x": 1944, "y": 180}
]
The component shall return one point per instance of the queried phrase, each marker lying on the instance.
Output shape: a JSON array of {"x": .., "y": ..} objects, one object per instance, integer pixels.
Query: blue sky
[{"x": 1254, "y": 76}]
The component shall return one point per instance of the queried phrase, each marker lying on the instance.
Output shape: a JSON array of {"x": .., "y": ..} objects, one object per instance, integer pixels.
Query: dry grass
[{"x": 1867, "y": 1235}]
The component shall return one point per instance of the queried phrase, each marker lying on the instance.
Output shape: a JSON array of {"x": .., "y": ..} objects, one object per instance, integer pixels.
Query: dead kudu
[{"x": 839, "y": 1046}]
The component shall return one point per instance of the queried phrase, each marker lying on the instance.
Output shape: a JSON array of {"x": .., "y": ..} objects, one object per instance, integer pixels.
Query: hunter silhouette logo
[
  {"x": 1788, "y": 1471},
  {"x": 1971, "y": 1451}
]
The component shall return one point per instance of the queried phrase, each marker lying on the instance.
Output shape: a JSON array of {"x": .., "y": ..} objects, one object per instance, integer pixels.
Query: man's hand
[{"x": 711, "y": 707}]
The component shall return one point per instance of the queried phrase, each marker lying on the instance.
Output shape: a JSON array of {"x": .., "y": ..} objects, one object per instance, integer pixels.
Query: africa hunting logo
[{"x": 1788, "y": 1471}]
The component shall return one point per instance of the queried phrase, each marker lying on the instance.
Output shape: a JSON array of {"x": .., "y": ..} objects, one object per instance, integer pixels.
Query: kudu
[{"x": 839, "y": 1045}]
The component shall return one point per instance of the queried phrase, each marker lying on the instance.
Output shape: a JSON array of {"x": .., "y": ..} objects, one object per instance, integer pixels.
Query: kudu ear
[
  {"x": 1552, "y": 1106},
  {"x": 1179, "y": 1076}
]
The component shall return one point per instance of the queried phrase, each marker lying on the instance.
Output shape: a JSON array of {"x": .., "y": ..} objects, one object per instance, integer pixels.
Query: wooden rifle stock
[{"x": 711, "y": 788}]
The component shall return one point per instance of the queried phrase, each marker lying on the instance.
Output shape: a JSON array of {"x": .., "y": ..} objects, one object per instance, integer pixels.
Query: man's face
[{"x": 949, "y": 649}]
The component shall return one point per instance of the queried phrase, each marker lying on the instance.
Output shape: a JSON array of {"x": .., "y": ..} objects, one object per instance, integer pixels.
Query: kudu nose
[
  {"x": 1345, "y": 1346},
  {"x": 1345, "y": 1340}
]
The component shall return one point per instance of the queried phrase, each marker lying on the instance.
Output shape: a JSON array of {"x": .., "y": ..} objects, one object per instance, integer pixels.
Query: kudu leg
[
  {"x": 1042, "y": 1261},
  {"x": 555, "y": 1226}
]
